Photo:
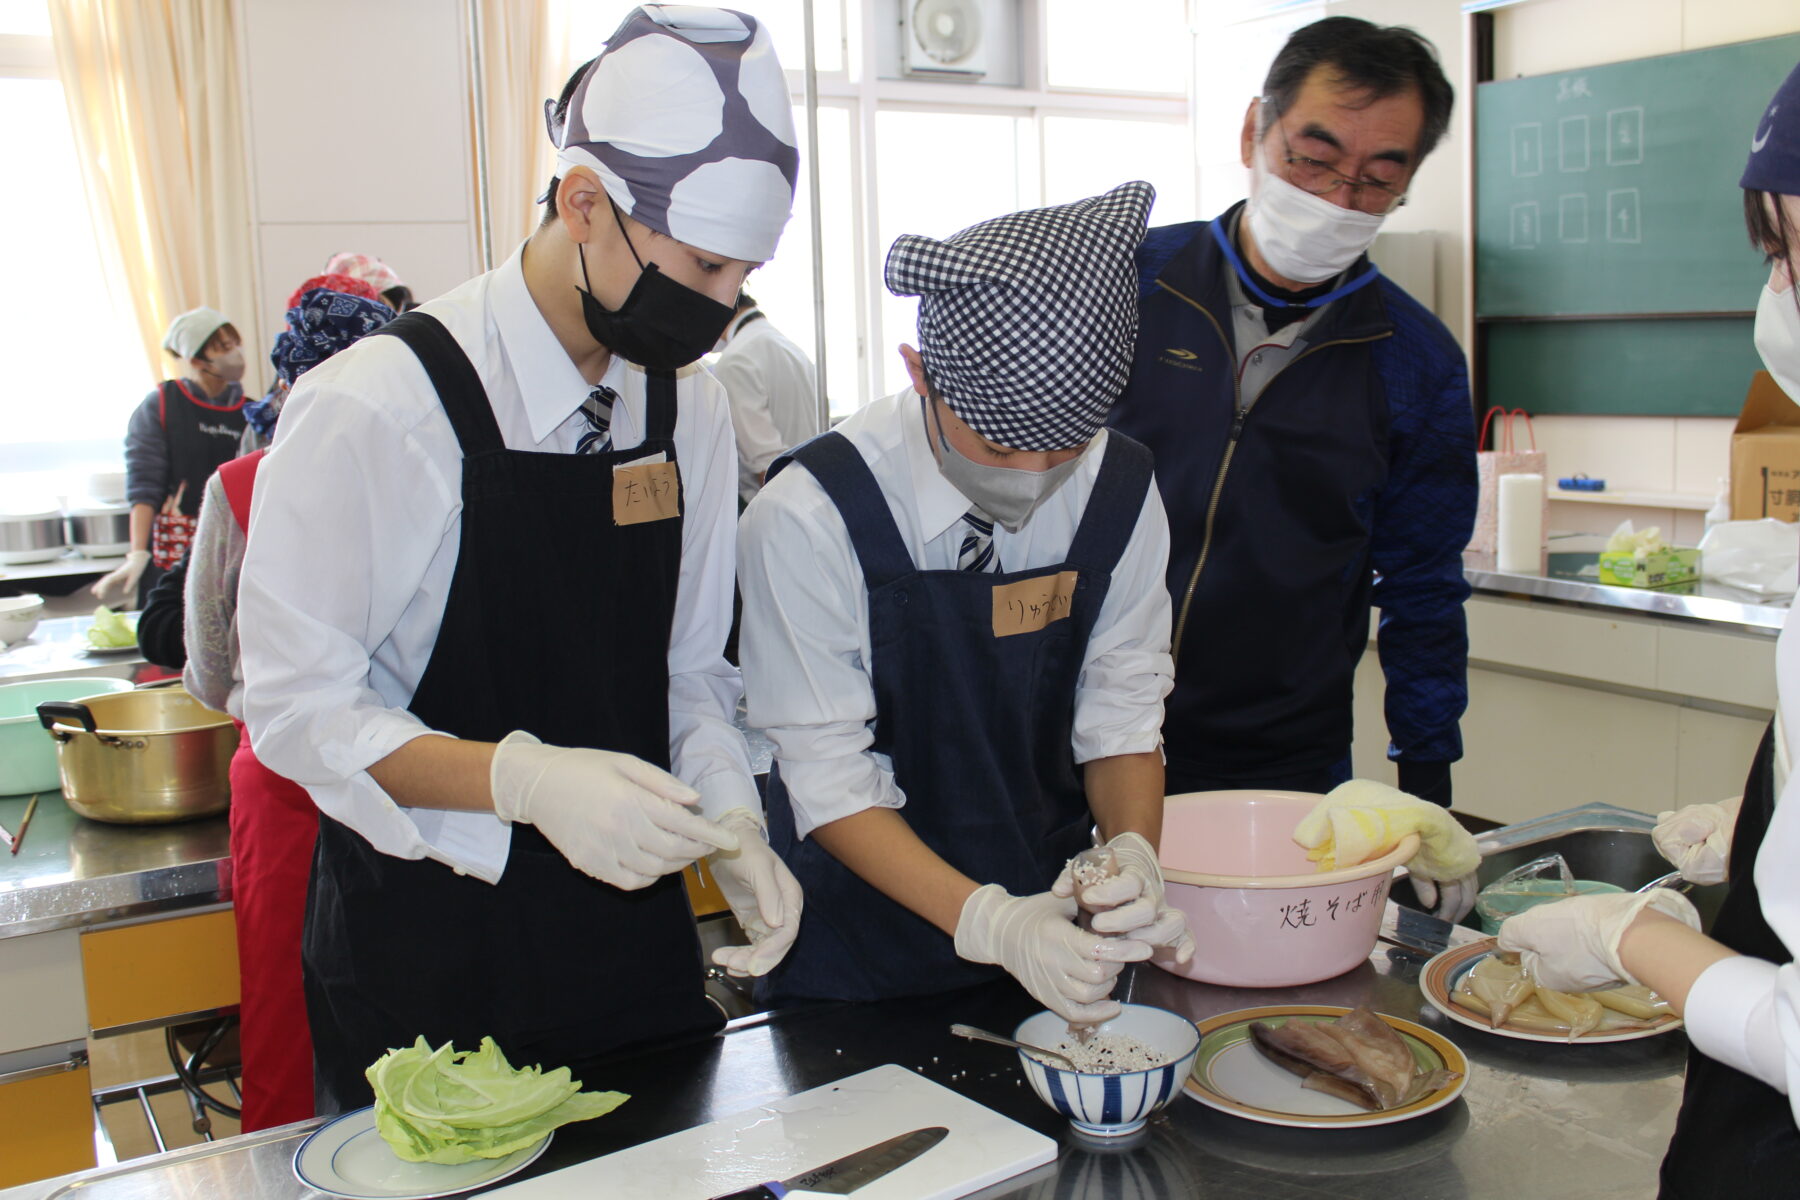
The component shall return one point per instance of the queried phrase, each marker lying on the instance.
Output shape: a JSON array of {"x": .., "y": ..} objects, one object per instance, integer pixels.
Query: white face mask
[
  {"x": 1778, "y": 338},
  {"x": 1301, "y": 236}
]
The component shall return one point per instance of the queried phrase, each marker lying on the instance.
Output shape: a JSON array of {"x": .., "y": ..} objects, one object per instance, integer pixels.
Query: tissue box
[{"x": 1660, "y": 568}]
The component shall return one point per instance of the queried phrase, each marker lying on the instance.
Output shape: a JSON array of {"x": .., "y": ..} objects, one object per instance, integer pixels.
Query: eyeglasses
[{"x": 1310, "y": 175}]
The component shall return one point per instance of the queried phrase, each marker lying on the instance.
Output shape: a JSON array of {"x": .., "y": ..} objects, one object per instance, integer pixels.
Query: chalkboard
[
  {"x": 1680, "y": 368},
  {"x": 1613, "y": 189}
]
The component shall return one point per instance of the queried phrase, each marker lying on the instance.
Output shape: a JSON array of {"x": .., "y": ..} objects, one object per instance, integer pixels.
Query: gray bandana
[
  {"x": 686, "y": 119},
  {"x": 1027, "y": 321}
]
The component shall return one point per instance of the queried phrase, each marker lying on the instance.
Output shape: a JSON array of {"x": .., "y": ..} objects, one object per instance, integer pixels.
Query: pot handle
[
  {"x": 171, "y": 681},
  {"x": 52, "y": 711}
]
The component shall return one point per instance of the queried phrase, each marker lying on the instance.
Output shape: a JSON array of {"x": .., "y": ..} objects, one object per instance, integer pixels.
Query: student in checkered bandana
[{"x": 955, "y": 634}]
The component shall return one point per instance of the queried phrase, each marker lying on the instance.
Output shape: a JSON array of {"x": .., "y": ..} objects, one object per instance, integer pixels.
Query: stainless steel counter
[
  {"x": 1569, "y": 575},
  {"x": 59, "y": 648},
  {"x": 72, "y": 872},
  {"x": 1535, "y": 1118}
]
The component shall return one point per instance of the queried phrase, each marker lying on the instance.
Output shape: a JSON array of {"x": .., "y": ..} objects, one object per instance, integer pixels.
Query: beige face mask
[{"x": 228, "y": 366}]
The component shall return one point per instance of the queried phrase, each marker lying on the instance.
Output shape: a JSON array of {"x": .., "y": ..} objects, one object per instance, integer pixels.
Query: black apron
[
  {"x": 977, "y": 727},
  {"x": 200, "y": 437},
  {"x": 1735, "y": 1136},
  {"x": 557, "y": 623}
]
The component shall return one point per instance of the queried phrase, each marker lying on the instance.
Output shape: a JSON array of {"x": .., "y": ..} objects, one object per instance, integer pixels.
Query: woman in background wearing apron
[
  {"x": 177, "y": 438},
  {"x": 1739, "y": 990}
]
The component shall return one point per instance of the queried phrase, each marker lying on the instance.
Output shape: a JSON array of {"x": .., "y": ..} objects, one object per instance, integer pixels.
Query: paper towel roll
[{"x": 1520, "y": 533}]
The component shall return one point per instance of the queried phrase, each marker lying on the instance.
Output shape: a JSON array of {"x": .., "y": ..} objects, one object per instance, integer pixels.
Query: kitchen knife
[
  {"x": 842, "y": 1176},
  {"x": 1408, "y": 927}
]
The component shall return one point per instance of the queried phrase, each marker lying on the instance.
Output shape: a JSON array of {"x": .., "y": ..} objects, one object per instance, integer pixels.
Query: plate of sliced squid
[
  {"x": 1482, "y": 988},
  {"x": 1320, "y": 1066}
]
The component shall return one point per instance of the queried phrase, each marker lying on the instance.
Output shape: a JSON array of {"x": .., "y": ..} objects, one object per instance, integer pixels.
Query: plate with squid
[
  {"x": 1320, "y": 1066},
  {"x": 1484, "y": 989}
]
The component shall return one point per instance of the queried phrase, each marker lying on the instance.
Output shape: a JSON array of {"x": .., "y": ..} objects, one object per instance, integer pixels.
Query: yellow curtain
[
  {"x": 518, "y": 75},
  {"x": 153, "y": 95}
]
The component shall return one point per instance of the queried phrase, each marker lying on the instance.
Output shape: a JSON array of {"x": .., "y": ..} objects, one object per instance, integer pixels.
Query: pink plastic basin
[{"x": 1262, "y": 915}]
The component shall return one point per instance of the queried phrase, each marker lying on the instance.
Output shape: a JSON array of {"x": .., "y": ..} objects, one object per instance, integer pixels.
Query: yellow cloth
[{"x": 1362, "y": 819}]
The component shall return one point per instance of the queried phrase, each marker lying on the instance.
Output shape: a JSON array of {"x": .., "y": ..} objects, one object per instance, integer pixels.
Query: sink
[{"x": 1599, "y": 841}]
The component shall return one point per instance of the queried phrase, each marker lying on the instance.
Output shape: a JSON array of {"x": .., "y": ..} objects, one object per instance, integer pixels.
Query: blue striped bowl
[{"x": 1112, "y": 1105}]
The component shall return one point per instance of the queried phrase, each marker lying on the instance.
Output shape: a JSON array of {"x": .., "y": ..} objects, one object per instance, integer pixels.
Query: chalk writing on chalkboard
[
  {"x": 1572, "y": 217},
  {"x": 1572, "y": 143},
  {"x": 1625, "y": 136}
]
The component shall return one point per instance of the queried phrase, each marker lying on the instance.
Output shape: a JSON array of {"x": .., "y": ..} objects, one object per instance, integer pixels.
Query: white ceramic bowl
[
  {"x": 107, "y": 486},
  {"x": 1112, "y": 1105},
  {"x": 1261, "y": 913},
  {"x": 19, "y": 615}
]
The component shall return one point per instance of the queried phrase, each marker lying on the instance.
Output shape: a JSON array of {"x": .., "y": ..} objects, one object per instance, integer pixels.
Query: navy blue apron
[
  {"x": 557, "y": 623},
  {"x": 1735, "y": 1136},
  {"x": 977, "y": 727}
]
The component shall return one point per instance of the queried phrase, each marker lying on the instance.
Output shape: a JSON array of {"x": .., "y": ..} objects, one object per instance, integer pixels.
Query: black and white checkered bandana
[
  {"x": 686, "y": 119},
  {"x": 1026, "y": 322}
]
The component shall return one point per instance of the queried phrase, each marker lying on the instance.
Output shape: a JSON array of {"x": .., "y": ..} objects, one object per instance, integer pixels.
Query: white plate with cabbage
[
  {"x": 111, "y": 633},
  {"x": 444, "y": 1122}
]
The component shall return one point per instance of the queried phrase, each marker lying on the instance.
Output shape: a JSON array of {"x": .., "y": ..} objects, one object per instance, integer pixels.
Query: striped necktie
[
  {"x": 977, "y": 552},
  {"x": 597, "y": 408}
]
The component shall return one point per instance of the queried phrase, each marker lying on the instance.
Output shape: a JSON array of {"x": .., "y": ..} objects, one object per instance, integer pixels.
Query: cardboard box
[
  {"x": 1765, "y": 454},
  {"x": 1671, "y": 567}
]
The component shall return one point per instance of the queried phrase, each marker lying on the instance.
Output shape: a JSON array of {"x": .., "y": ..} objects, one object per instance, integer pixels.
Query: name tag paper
[
  {"x": 646, "y": 491},
  {"x": 1031, "y": 604}
]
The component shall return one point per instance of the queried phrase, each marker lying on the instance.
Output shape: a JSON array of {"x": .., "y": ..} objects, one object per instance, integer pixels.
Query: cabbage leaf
[
  {"x": 449, "y": 1106},
  {"x": 110, "y": 630}
]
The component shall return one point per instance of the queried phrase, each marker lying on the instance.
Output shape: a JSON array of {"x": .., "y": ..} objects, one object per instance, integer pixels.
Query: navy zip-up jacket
[{"x": 1349, "y": 481}]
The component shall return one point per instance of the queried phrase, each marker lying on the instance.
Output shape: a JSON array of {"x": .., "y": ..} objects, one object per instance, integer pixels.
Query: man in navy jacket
[{"x": 1313, "y": 433}]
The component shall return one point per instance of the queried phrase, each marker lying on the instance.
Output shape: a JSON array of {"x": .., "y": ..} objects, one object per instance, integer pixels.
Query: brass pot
[{"x": 142, "y": 757}]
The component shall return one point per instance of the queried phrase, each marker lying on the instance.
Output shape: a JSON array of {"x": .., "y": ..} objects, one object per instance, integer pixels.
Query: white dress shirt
[
  {"x": 773, "y": 406},
  {"x": 355, "y": 530},
  {"x": 1743, "y": 1011},
  {"x": 805, "y": 634}
]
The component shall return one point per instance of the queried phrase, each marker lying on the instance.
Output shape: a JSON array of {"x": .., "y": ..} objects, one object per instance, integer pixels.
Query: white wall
[{"x": 358, "y": 142}]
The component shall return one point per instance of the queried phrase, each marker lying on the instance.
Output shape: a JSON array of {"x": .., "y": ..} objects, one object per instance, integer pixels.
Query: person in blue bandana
[{"x": 1313, "y": 433}]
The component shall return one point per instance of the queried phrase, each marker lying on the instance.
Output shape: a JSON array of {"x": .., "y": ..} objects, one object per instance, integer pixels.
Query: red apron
[{"x": 273, "y": 825}]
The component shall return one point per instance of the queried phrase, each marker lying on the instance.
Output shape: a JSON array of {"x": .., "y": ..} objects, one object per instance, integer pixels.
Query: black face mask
[{"x": 662, "y": 325}]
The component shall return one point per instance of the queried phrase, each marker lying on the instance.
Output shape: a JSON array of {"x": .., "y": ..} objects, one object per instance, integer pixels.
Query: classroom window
[
  {"x": 1106, "y": 102},
  {"x": 74, "y": 367}
]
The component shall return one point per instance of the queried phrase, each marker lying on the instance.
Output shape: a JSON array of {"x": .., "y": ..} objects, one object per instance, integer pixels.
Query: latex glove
[
  {"x": 1447, "y": 900},
  {"x": 118, "y": 588},
  {"x": 1133, "y": 901},
  {"x": 615, "y": 816},
  {"x": 763, "y": 894},
  {"x": 1573, "y": 945},
  {"x": 1070, "y": 970},
  {"x": 1361, "y": 819},
  {"x": 1697, "y": 839}
]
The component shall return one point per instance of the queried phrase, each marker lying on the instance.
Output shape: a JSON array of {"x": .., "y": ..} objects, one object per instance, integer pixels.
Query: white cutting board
[{"x": 808, "y": 1130}]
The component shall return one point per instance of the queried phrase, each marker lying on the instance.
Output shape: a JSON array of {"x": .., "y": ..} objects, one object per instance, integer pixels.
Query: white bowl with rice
[{"x": 1133, "y": 1065}]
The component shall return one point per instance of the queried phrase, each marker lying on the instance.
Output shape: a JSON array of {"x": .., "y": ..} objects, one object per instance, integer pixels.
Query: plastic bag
[
  {"x": 1539, "y": 881},
  {"x": 1641, "y": 543},
  {"x": 1757, "y": 556}
]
